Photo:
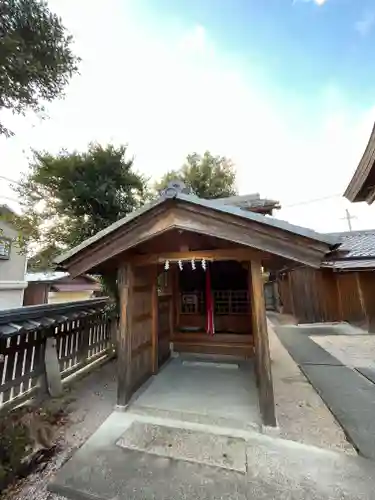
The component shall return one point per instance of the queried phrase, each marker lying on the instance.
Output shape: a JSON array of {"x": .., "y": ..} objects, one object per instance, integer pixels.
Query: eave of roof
[
  {"x": 211, "y": 204},
  {"x": 365, "y": 166},
  {"x": 350, "y": 264},
  {"x": 45, "y": 277}
]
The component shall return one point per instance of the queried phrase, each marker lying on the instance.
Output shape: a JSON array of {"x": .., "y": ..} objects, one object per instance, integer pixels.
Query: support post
[
  {"x": 52, "y": 368},
  {"x": 125, "y": 283},
  {"x": 261, "y": 346},
  {"x": 155, "y": 322}
]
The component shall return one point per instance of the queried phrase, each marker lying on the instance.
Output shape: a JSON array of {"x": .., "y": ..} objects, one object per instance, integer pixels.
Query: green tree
[
  {"x": 36, "y": 60},
  {"x": 207, "y": 176},
  {"x": 69, "y": 197}
]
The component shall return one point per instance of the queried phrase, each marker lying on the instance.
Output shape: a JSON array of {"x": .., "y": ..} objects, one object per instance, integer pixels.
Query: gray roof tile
[{"x": 358, "y": 244}]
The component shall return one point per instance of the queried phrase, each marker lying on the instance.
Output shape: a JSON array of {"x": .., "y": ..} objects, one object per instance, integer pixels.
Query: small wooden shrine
[{"x": 190, "y": 279}]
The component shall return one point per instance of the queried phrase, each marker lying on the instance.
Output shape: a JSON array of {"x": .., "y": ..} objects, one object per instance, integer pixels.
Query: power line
[
  {"x": 8, "y": 199},
  {"x": 8, "y": 179},
  {"x": 306, "y": 202}
]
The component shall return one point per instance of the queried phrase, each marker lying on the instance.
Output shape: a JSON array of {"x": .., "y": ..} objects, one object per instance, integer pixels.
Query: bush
[{"x": 15, "y": 446}]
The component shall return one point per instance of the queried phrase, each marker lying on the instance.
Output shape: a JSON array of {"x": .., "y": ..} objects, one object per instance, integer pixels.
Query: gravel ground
[
  {"x": 91, "y": 401},
  {"x": 302, "y": 415},
  {"x": 353, "y": 350}
]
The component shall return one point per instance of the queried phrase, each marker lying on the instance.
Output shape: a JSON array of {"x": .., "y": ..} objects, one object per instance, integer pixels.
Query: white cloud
[
  {"x": 317, "y": 2},
  {"x": 366, "y": 23},
  {"x": 168, "y": 93}
]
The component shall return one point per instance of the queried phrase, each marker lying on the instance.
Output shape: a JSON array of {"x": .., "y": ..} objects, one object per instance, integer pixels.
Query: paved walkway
[
  {"x": 134, "y": 458},
  {"x": 180, "y": 439},
  {"x": 347, "y": 389},
  {"x": 155, "y": 451}
]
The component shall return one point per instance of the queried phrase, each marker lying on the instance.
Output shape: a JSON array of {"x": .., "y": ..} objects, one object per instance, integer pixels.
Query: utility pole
[{"x": 348, "y": 217}]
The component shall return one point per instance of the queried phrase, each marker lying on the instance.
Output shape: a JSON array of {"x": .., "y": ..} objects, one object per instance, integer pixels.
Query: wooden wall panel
[
  {"x": 352, "y": 307},
  {"x": 141, "y": 331},
  {"x": 310, "y": 295},
  {"x": 305, "y": 295},
  {"x": 367, "y": 283},
  {"x": 285, "y": 295},
  {"x": 36, "y": 293},
  {"x": 328, "y": 292}
]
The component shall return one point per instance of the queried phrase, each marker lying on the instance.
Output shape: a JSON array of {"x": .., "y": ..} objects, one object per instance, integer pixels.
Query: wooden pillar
[
  {"x": 261, "y": 346},
  {"x": 155, "y": 322},
  {"x": 125, "y": 284}
]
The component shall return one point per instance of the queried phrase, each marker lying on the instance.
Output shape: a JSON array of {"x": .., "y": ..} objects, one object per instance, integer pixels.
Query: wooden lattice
[{"x": 227, "y": 302}]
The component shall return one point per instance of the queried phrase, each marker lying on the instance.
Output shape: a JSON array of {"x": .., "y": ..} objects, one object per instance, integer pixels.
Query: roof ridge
[
  {"x": 349, "y": 233},
  {"x": 213, "y": 204}
]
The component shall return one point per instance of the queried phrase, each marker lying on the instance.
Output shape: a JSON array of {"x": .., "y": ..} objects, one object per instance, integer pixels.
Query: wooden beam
[
  {"x": 370, "y": 198},
  {"x": 250, "y": 227},
  {"x": 125, "y": 283},
  {"x": 253, "y": 235},
  {"x": 201, "y": 220},
  {"x": 155, "y": 323},
  {"x": 222, "y": 254},
  {"x": 261, "y": 344},
  {"x": 154, "y": 223}
]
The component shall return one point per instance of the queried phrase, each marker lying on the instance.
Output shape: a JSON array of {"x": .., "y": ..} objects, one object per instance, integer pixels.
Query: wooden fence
[
  {"x": 321, "y": 295},
  {"x": 80, "y": 333}
]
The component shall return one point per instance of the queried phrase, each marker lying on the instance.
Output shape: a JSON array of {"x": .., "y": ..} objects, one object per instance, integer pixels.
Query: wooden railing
[
  {"x": 226, "y": 302},
  {"x": 80, "y": 333}
]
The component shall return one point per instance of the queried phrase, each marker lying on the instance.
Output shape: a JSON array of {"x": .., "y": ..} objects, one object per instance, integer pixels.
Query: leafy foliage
[
  {"x": 207, "y": 176},
  {"x": 36, "y": 60},
  {"x": 70, "y": 197}
]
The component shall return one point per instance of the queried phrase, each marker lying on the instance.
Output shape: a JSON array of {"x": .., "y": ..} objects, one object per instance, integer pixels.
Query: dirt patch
[
  {"x": 85, "y": 406},
  {"x": 29, "y": 437}
]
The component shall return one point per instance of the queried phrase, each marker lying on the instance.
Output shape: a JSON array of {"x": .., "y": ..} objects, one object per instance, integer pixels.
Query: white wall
[
  {"x": 12, "y": 272},
  {"x": 58, "y": 297},
  {"x": 10, "y": 299}
]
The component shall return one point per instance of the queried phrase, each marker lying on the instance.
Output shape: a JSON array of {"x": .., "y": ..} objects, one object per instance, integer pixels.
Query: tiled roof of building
[
  {"x": 358, "y": 244},
  {"x": 357, "y": 251}
]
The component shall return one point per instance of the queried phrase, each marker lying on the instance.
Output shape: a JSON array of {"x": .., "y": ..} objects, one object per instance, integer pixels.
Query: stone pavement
[
  {"x": 106, "y": 469},
  {"x": 301, "y": 414},
  {"x": 186, "y": 435},
  {"x": 346, "y": 391}
]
